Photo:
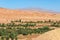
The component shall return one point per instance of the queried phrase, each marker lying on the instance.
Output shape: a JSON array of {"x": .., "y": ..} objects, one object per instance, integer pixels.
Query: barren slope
[
  {"x": 7, "y": 15},
  {"x": 51, "y": 35}
]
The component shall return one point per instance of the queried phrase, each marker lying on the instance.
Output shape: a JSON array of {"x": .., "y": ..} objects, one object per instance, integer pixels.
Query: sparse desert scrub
[
  {"x": 2, "y": 25},
  {"x": 55, "y": 24},
  {"x": 12, "y": 30}
]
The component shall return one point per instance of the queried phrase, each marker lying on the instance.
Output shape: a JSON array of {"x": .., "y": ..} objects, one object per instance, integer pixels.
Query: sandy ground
[
  {"x": 6, "y": 15},
  {"x": 51, "y": 35},
  {"x": 28, "y": 37}
]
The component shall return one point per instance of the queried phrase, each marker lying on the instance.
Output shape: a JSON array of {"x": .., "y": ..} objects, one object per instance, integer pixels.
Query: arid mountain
[{"x": 6, "y": 15}]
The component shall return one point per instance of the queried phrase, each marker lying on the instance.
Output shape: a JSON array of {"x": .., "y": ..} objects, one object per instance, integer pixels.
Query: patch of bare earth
[
  {"x": 51, "y": 35},
  {"x": 27, "y": 37}
]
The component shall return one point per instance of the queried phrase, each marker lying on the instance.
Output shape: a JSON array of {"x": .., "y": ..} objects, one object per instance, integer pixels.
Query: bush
[
  {"x": 28, "y": 25},
  {"x": 22, "y": 31},
  {"x": 49, "y": 20},
  {"x": 46, "y": 28},
  {"x": 2, "y": 25},
  {"x": 39, "y": 21},
  {"x": 10, "y": 24},
  {"x": 17, "y": 21},
  {"x": 55, "y": 24}
]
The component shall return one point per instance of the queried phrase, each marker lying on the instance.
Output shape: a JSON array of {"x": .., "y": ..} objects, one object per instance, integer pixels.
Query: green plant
[
  {"x": 39, "y": 21},
  {"x": 49, "y": 20},
  {"x": 55, "y": 24},
  {"x": 19, "y": 20},
  {"x": 3, "y": 34},
  {"x": 13, "y": 35},
  {"x": 2, "y": 25}
]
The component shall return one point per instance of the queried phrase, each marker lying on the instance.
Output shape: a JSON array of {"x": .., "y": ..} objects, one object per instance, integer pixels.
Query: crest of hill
[
  {"x": 7, "y": 15},
  {"x": 51, "y": 35}
]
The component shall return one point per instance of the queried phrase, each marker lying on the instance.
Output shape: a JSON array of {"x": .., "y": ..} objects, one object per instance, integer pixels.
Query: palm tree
[
  {"x": 7, "y": 36},
  {"x": 13, "y": 35},
  {"x": 3, "y": 33}
]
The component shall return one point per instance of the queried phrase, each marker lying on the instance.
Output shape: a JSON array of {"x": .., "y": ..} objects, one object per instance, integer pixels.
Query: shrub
[
  {"x": 39, "y": 21},
  {"x": 10, "y": 24},
  {"x": 22, "y": 31},
  {"x": 2, "y": 25},
  {"x": 55, "y": 24},
  {"x": 46, "y": 28},
  {"x": 17, "y": 21},
  {"x": 49, "y": 20}
]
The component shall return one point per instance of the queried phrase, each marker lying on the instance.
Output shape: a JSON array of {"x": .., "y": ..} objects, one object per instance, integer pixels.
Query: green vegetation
[
  {"x": 12, "y": 30},
  {"x": 55, "y": 24},
  {"x": 2, "y": 25}
]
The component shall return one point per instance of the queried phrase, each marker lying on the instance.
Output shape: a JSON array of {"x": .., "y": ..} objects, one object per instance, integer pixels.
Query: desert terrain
[
  {"x": 7, "y": 15},
  {"x": 38, "y": 21}
]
